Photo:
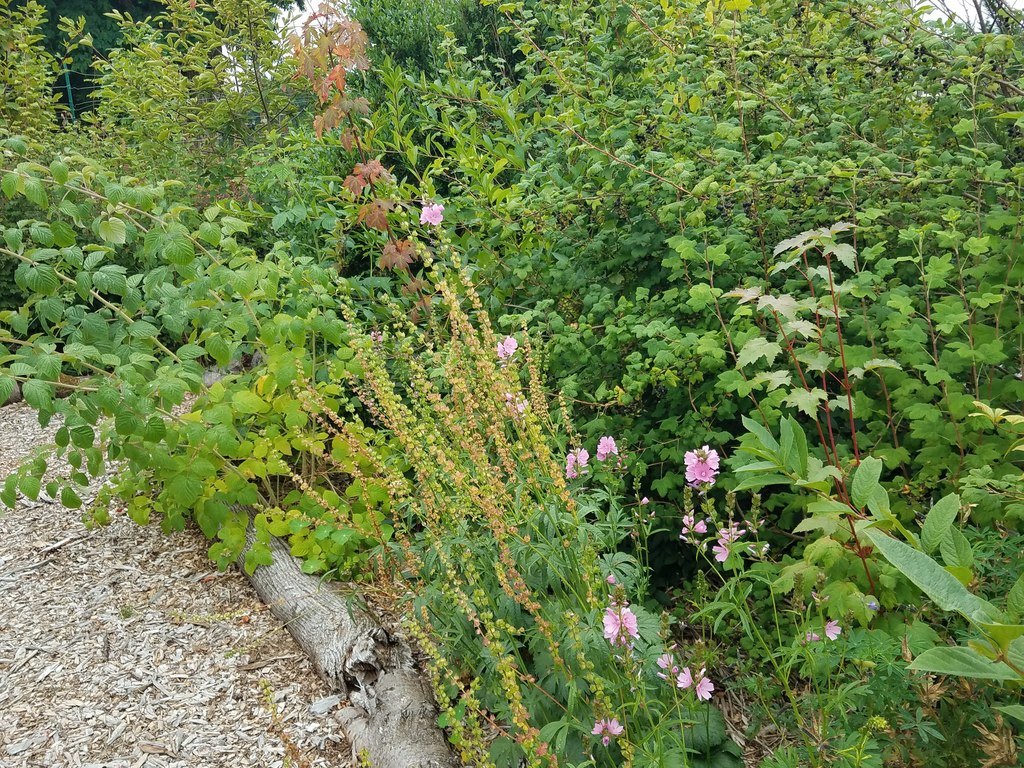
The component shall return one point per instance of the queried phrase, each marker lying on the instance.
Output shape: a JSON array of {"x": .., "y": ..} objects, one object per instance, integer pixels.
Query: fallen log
[{"x": 391, "y": 720}]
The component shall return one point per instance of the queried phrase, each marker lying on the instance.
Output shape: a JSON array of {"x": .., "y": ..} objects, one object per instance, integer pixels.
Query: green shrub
[{"x": 652, "y": 158}]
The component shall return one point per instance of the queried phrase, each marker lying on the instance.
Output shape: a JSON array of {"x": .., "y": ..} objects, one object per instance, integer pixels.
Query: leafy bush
[{"x": 650, "y": 161}]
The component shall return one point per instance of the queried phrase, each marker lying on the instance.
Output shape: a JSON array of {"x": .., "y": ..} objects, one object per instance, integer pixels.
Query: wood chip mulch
[{"x": 121, "y": 647}]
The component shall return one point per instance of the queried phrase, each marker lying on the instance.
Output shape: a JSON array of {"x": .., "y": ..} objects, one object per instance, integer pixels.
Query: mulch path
[{"x": 121, "y": 647}]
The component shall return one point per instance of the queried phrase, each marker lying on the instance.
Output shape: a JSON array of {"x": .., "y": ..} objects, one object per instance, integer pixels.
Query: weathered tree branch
[{"x": 392, "y": 718}]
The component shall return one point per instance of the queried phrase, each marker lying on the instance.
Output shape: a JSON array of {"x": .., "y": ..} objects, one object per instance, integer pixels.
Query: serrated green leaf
[
  {"x": 30, "y": 486},
  {"x": 59, "y": 171},
  {"x": 1014, "y": 600},
  {"x": 34, "y": 190},
  {"x": 113, "y": 231},
  {"x": 755, "y": 349},
  {"x": 248, "y": 402}
]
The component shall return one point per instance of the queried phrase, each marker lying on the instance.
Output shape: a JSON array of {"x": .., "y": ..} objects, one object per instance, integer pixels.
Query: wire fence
[{"x": 75, "y": 90}]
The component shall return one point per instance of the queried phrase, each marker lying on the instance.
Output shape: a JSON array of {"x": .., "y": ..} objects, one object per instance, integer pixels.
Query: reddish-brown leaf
[
  {"x": 355, "y": 183},
  {"x": 375, "y": 214},
  {"x": 373, "y": 170},
  {"x": 398, "y": 254}
]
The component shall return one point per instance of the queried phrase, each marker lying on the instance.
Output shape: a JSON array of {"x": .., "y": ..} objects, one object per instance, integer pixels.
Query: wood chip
[{"x": 121, "y": 636}]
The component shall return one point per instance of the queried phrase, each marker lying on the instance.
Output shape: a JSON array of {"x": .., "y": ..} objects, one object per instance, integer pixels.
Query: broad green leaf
[
  {"x": 956, "y": 550},
  {"x": 755, "y": 349},
  {"x": 69, "y": 498},
  {"x": 865, "y": 480},
  {"x": 762, "y": 434},
  {"x": 930, "y": 577},
  {"x": 1016, "y": 711},
  {"x": 113, "y": 231},
  {"x": 247, "y": 401},
  {"x": 34, "y": 190},
  {"x": 937, "y": 523},
  {"x": 6, "y": 388},
  {"x": 178, "y": 249},
  {"x": 806, "y": 401},
  {"x": 185, "y": 489},
  {"x": 59, "y": 170},
  {"x": 30, "y": 486},
  {"x": 38, "y": 394},
  {"x": 962, "y": 662},
  {"x": 1014, "y": 600}
]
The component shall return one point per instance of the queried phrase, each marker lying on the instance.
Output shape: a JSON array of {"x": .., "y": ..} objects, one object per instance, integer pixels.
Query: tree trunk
[{"x": 391, "y": 719}]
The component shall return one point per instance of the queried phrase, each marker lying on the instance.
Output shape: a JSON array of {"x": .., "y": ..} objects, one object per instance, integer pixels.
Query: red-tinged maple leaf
[
  {"x": 373, "y": 170},
  {"x": 375, "y": 214},
  {"x": 416, "y": 285},
  {"x": 398, "y": 254},
  {"x": 355, "y": 183},
  {"x": 348, "y": 139}
]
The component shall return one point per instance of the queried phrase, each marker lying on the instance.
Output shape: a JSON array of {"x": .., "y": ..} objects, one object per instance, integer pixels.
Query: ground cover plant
[{"x": 668, "y": 363}]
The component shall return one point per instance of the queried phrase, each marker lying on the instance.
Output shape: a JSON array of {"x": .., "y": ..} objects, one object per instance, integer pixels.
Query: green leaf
[
  {"x": 41, "y": 279},
  {"x": 35, "y": 192},
  {"x": 247, "y": 401},
  {"x": 956, "y": 550},
  {"x": 113, "y": 231},
  {"x": 30, "y": 486},
  {"x": 962, "y": 662},
  {"x": 38, "y": 394},
  {"x": 865, "y": 480},
  {"x": 930, "y": 577},
  {"x": 142, "y": 329},
  {"x": 69, "y": 498},
  {"x": 59, "y": 171},
  {"x": 258, "y": 554},
  {"x": 6, "y": 388},
  {"x": 1016, "y": 711},
  {"x": 1014, "y": 600},
  {"x": 179, "y": 250},
  {"x": 806, "y": 401},
  {"x": 185, "y": 490},
  {"x": 209, "y": 233},
  {"x": 761, "y": 433},
  {"x": 937, "y": 523},
  {"x": 755, "y": 349},
  {"x": 9, "y": 185}
]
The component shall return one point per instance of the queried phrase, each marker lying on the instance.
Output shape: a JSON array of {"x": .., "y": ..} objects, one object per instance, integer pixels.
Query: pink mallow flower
[
  {"x": 684, "y": 679},
  {"x": 507, "y": 348},
  {"x": 620, "y": 625},
  {"x": 575, "y": 462},
  {"x": 692, "y": 526},
  {"x": 606, "y": 447},
  {"x": 832, "y": 630},
  {"x": 721, "y": 550},
  {"x": 668, "y": 663},
  {"x": 607, "y": 729},
  {"x": 432, "y": 214},
  {"x": 517, "y": 404},
  {"x": 701, "y": 466},
  {"x": 645, "y": 501},
  {"x": 704, "y": 687}
]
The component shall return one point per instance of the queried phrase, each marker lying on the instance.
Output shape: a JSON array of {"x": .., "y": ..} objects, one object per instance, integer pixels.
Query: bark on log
[{"x": 392, "y": 719}]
